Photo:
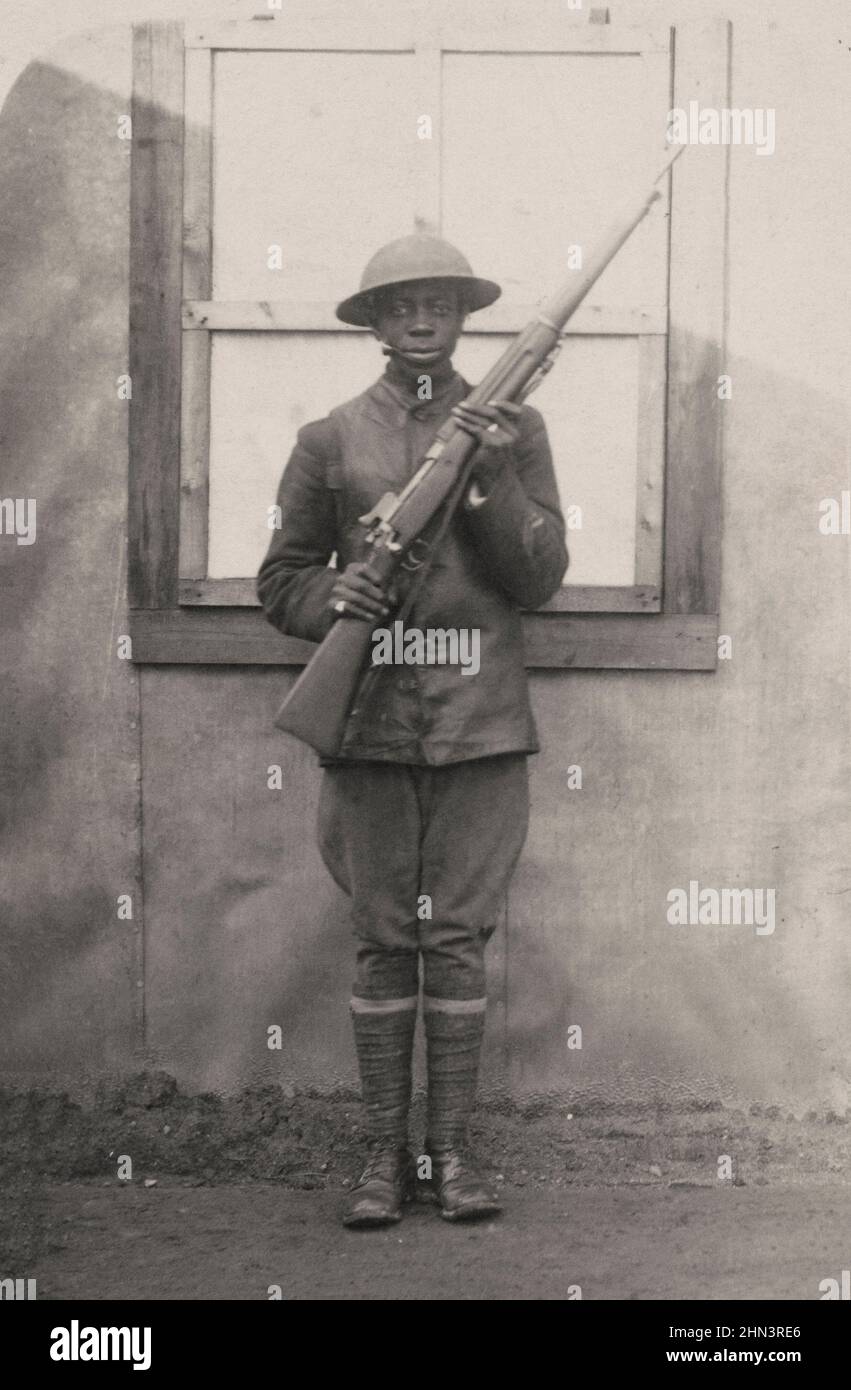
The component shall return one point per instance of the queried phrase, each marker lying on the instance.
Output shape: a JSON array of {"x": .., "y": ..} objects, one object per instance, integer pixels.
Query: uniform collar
[{"x": 389, "y": 402}]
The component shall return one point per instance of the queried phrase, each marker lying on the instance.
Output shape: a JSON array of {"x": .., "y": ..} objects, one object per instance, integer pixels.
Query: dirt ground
[
  {"x": 229, "y": 1196},
  {"x": 234, "y": 1242}
]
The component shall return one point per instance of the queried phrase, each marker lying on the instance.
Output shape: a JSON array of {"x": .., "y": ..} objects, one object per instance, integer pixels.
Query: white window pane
[
  {"x": 316, "y": 153},
  {"x": 539, "y": 153},
  {"x": 264, "y": 387}
]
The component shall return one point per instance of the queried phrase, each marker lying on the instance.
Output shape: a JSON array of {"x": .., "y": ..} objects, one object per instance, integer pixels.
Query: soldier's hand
[
  {"x": 495, "y": 425},
  {"x": 496, "y": 428},
  {"x": 356, "y": 596}
]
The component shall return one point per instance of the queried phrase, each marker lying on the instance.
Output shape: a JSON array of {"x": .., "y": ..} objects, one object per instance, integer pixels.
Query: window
[{"x": 272, "y": 157}]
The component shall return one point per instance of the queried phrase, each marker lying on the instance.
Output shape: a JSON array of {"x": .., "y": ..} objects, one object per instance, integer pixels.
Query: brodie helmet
[{"x": 416, "y": 257}]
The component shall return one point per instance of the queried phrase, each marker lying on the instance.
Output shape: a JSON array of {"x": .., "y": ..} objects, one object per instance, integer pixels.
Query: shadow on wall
[
  {"x": 68, "y": 793},
  {"x": 739, "y": 778}
]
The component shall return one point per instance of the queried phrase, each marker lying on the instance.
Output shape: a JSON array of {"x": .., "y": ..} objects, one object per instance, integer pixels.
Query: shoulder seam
[{"x": 324, "y": 432}]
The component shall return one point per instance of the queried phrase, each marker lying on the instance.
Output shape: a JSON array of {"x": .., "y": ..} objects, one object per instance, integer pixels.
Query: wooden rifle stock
[{"x": 318, "y": 707}]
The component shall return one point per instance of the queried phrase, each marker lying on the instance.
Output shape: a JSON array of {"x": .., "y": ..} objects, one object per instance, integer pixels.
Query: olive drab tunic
[{"x": 504, "y": 555}]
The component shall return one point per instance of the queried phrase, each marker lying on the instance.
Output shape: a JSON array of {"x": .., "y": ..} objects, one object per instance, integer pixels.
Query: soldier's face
[{"x": 421, "y": 321}]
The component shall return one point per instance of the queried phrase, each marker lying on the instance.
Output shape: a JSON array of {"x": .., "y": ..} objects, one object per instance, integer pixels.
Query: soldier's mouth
[{"x": 420, "y": 354}]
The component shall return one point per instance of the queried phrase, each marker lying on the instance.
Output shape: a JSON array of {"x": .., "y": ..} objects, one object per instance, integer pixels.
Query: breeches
[{"x": 426, "y": 855}]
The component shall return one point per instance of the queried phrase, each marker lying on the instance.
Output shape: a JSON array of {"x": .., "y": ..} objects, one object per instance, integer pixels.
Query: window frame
[{"x": 177, "y": 614}]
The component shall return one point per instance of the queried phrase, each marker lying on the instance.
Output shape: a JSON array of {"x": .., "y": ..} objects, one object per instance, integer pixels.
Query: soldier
[{"x": 424, "y": 813}]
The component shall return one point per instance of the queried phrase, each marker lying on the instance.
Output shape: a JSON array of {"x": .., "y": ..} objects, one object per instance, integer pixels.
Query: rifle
[{"x": 318, "y": 706}]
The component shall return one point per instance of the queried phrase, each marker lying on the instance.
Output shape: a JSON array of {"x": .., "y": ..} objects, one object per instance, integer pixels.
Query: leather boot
[
  {"x": 384, "y": 1035},
  {"x": 463, "y": 1194},
  {"x": 454, "y": 1030},
  {"x": 388, "y": 1180}
]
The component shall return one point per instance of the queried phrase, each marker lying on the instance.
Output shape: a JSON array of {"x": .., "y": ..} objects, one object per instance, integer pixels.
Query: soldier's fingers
[
  {"x": 504, "y": 414},
  {"x": 352, "y": 605},
  {"x": 474, "y": 424},
  {"x": 489, "y": 418},
  {"x": 492, "y": 410},
  {"x": 363, "y": 586},
  {"x": 468, "y": 427},
  {"x": 355, "y": 589},
  {"x": 354, "y": 611},
  {"x": 352, "y": 599}
]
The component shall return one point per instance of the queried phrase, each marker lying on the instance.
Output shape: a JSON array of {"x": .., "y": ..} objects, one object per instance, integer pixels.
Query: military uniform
[{"x": 429, "y": 793}]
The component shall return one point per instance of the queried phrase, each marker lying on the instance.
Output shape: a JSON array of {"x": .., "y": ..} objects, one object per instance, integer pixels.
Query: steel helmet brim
[
  {"x": 409, "y": 260},
  {"x": 478, "y": 294}
]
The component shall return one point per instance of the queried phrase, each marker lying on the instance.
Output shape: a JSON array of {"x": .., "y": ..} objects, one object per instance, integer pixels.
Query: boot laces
[
  {"x": 458, "y": 1162},
  {"x": 383, "y": 1162}
]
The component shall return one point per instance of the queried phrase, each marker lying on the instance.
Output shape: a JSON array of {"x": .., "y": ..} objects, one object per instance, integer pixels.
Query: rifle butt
[{"x": 317, "y": 708}]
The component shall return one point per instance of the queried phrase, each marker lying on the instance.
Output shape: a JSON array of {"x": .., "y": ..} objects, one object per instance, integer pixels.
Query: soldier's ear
[
  {"x": 372, "y": 315},
  {"x": 372, "y": 309}
]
